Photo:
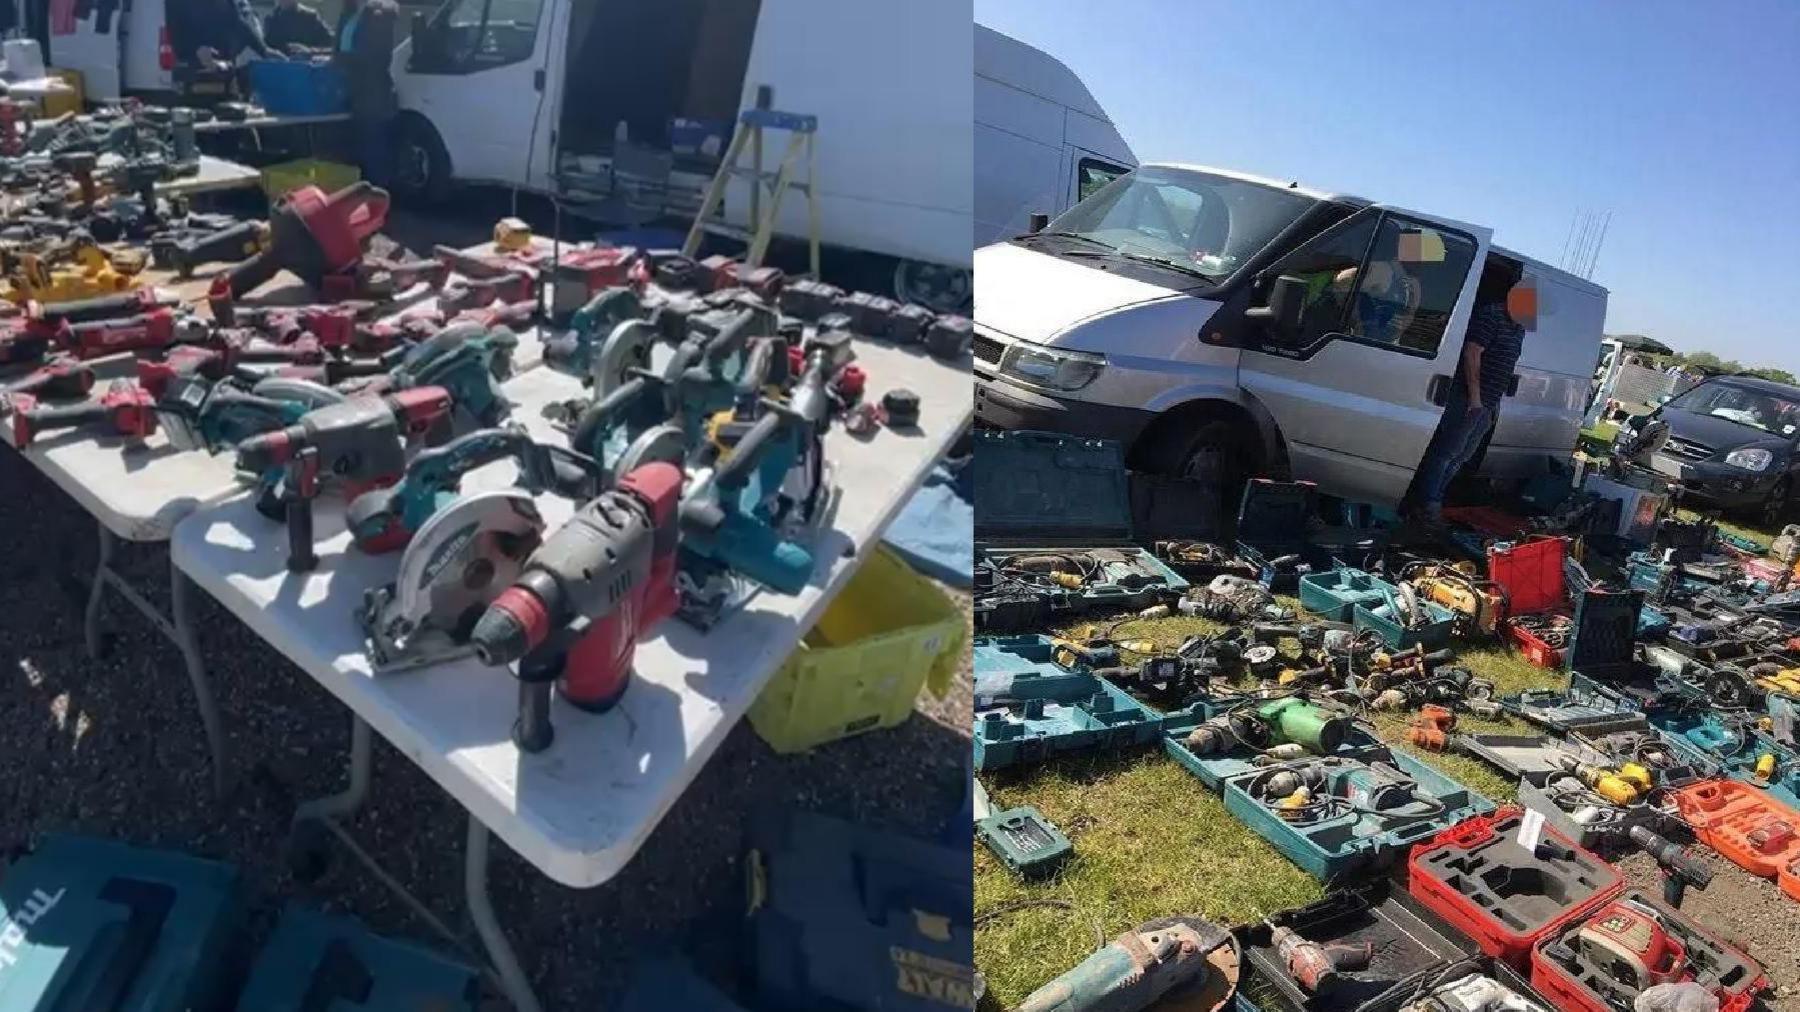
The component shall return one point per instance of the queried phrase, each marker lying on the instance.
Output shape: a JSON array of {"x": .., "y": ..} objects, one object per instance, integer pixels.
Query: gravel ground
[{"x": 114, "y": 747}]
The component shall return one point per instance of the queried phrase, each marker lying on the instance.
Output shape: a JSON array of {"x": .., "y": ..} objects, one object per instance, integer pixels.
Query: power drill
[
  {"x": 1133, "y": 972},
  {"x": 199, "y": 415},
  {"x": 588, "y": 594},
  {"x": 360, "y": 442},
  {"x": 1680, "y": 869},
  {"x": 1622, "y": 786},
  {"x": 385, "y": 519},
  {"x": 1313, "y": 966}
]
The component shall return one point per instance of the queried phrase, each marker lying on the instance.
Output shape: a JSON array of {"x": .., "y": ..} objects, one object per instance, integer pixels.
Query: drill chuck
[{"x": 516, "y": 621}]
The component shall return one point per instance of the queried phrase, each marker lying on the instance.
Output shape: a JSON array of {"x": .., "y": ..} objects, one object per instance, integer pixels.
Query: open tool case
[
  {"x": 1537, "y": 605},
  {"x": 1563, "y": 972},
  {"x": 1278, "y": 532},
  {"x": 1735, "y": 745},
  {"x": 1585, "y": 707},
  {"x": 1053, "y": 532},
  {"x": 1480, "y": 879},
  {"x": 1411, "y": 950},
  {"x": 1213, "y": 768},
  {"x": 1537, "y": 763},
  {"x": 1357, "y": 813},
  {"x": 1748, "y": 827},
  {"x": 1029, "y": 708}
]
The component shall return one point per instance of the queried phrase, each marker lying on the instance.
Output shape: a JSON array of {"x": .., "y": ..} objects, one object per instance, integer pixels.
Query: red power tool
[
  {"x": 588, "y": 594},
  {"x": 125, "y": 407},
  {"x": 312, "y": 234},
  {"x": 360, "y": 442},
  {"x": 62, "y": 379},
  {"x": 1314, "y": 966}
]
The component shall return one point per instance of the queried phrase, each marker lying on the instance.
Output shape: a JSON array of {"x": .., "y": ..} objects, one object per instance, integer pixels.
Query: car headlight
[
  {"x": 1051, "y": 368},
  {"x": 1750, "y": 460}
]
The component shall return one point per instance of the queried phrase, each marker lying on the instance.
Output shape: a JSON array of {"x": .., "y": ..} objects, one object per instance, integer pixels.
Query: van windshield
[
  {"x": 1758, "y": 409},
  {"x": 1194, "y": 221}
]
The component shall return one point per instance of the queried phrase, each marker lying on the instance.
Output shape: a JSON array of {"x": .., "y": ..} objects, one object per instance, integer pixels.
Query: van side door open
[{"x": 1353, "y": 342}]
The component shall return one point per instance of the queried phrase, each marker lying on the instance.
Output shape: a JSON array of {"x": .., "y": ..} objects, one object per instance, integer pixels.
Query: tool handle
[
  {"x": 737, "y": 468},
  {"x": 247, "y": 276},
  {"x": 591, "y": 430},
  {"x": 730, "y": 338},
  {"x": 302, "y": 480}
]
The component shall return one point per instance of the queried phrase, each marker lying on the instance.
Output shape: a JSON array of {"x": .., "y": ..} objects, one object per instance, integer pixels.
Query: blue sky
[{"x": 1681, "y": 118}]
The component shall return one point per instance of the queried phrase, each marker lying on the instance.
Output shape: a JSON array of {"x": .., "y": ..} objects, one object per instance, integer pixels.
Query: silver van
[{"x": 1222, "y": 325}]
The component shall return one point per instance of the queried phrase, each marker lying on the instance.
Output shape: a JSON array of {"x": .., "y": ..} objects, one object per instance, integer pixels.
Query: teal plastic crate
[
  {"x": 1434, "y": 632},
  {"x": 97, "y": 924},
  {"x": 1028, "y": 709},
  {"x": 1333, "y": 594},
  {"x": 317, "y": 961},
  {"x": 1359, "y": 826},
  {"x": 1703, "y": 737}
]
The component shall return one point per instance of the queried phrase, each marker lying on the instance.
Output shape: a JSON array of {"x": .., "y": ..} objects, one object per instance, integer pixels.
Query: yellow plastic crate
[
  {"x": 280, "y": 180},
  {"x": 74, "y": 100},
  {"x": 885, "y": 636}
]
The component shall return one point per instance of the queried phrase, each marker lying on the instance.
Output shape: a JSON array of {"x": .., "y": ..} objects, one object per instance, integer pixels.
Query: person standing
[
  {"x": 293, "y": 26},
  {"x": 365, "y": 51},
  {"x": 1483, "y": 376}
]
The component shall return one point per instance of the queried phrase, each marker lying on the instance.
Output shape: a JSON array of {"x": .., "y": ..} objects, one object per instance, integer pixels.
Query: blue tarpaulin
[{"x": 935, "y": 531}]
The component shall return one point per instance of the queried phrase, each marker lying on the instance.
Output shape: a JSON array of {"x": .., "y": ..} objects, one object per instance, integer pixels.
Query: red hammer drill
[
  {"x": 360, "y": 442},
  {"x": 588, "y": 594}
]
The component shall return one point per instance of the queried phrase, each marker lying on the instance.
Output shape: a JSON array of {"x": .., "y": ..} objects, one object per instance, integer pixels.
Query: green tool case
[{"x": 91, "y": 925}]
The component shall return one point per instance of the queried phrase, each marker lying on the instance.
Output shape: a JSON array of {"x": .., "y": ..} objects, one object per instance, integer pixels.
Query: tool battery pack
[
  {"x": 95, "y": 924},
  {"x": 1481, "y": 880},
  {"x": 847, "y": 917},
  {"x": 314, "y": 961},
  {"x": 1027, "y": 843}
]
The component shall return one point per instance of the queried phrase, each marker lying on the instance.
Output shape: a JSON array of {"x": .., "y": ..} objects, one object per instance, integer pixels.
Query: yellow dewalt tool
[
  {"x": 94, "y": 273},
  {"x": 512, "y": 235},
  {"x": 1609, "y": 784},
  {"x": 1478, "y": 600}
]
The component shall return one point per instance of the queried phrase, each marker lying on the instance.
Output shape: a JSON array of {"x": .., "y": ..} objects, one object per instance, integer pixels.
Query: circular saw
[
  {"x": 454, "y": 567},
  {"x": 627, "y": 347}
]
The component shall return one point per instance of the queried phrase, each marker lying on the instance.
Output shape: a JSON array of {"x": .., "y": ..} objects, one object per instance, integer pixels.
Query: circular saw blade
[
  {"x": 658, "y": 443},
  {"x": 627, "y": 347},
  {"x": 458, "y": 562}
]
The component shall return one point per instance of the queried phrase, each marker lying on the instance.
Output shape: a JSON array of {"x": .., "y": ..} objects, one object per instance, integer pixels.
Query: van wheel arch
[
  {"x": 421, "y": 163},
  {"x": 1213, "y": 441}
]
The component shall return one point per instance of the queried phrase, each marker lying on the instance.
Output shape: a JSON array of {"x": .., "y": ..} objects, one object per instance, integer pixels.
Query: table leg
[
  {"x": 184, "y": 639},
  {"x": 506, "y": 964},
  {"x": 349, "y": 800},
  {"x": 179, "y": 631},
  {"x": 91, "y": 626}
]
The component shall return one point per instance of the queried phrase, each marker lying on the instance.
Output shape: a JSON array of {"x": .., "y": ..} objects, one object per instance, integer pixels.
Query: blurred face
[
  {"x": 1522, "y": 304},
  {"x": 287, "y": 5}
]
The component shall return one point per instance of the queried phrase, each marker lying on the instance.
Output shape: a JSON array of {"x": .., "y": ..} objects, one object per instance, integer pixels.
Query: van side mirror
[
  {"x": 1037, "y": 222},
  {"x": 1279, "y": 315}
]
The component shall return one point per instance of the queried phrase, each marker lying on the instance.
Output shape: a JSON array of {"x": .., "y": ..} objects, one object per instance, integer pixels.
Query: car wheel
[
  {"x": 420, "y": 166},
  {"x": 937, "y": 287},
  {"x": 1214, "y": 454},
  {"x": 1775, "y": 507}
]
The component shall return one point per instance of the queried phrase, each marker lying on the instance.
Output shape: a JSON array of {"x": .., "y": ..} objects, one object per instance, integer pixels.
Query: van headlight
[
  {"x": 1051, "y": 368},
  {"x": 1750, "y": 460}
]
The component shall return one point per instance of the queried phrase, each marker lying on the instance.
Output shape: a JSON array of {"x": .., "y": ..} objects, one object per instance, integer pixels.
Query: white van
[
  {"x": 1221, "y": 325},
  {"x": 530, "y": 93},
  {"x": 1041, "y": 140}
]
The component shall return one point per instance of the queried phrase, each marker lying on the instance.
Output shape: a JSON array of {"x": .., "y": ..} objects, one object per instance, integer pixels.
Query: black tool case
[
  {"x": 1278, "y": 532},
  {"x": 1044, "y": 495},
  {"x": 1409, "y": 944}
]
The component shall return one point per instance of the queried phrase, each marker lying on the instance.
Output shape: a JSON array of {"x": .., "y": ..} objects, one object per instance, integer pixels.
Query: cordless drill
[
  {"x": 360, "y": 442},
  {"x": 588, "y": 594},
  {"x": 1314, "y": 966},
  {"x": 1680, "y": 869}
]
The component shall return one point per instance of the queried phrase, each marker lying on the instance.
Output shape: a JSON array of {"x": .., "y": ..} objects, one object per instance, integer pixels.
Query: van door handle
[{"x": 1438, "y": 390}]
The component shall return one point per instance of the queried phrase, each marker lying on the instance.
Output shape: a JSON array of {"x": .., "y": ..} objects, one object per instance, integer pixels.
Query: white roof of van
[{"x": 1005, "y": 59}]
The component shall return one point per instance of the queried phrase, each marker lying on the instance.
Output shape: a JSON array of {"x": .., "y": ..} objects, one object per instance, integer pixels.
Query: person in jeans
[{"x": 1483, "y": 376}]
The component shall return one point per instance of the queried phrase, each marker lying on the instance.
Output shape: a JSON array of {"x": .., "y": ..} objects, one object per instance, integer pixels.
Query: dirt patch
[{"x": 1747, "y": 910}]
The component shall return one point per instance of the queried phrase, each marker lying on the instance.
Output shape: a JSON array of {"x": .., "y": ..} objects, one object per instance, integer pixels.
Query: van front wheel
[
  {"x": 421, "y": 165},
  {"x": 1213, "y": 453}
]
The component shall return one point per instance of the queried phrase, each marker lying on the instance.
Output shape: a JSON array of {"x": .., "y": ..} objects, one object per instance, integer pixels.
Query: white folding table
[{"x": 579, "y": 810}]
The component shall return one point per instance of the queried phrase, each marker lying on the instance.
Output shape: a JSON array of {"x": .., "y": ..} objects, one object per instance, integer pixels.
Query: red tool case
[
  {"x": 1531, "y": 573},
  {"x": 1576, "y": 984},
  {"x": 1751, "y": 829},
  {"x": 1477, "y": 877}
]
